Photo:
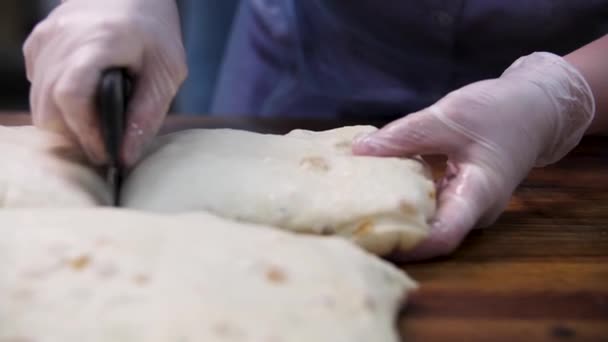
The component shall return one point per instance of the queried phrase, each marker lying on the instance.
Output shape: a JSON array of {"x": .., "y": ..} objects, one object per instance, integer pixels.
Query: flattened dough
[
  {"x": 42, "y": 169},
  {"x": 308, "y": 182},
  {"x": 116, "y": 275}
]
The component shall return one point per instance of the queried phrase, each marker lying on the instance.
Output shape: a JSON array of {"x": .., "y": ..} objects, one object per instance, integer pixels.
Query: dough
[
  {"x": 116, "y": 275},
  {"x": 43, "y": 169},
  {"x": 308, "y": 182}
]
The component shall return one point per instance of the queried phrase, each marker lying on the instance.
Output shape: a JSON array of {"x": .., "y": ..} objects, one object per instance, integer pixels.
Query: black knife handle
[{"x": 112, "y": 100}]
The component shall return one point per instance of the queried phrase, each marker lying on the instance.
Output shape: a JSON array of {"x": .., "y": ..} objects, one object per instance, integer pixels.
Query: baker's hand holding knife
[{"x": 81, "y": 40}]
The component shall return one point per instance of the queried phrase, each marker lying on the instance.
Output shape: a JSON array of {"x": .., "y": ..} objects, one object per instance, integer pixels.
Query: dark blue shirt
[{"x": 364, "y": 58}]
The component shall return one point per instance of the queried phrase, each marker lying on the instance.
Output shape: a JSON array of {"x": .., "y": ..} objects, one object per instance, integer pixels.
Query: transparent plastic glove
[
  {"x": 493, "y": 133},
  {"x": 66, "y": 53}
]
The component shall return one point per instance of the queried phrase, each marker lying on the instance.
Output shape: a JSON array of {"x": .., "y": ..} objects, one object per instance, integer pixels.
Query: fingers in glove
[
  {"x": 75, "y": 92},
  {"x": 149, "y": 105},
  {"x": 34, "y": 44},
  {"x": 45, "y": 113},
  {"x": 422, "y": 133},
  {"x": 462, "y": 203}
]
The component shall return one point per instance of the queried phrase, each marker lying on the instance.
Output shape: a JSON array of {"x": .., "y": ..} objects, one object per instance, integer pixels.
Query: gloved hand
[
  {"x": 66, "y": 53},
  {"x": 493, "y": 133}
]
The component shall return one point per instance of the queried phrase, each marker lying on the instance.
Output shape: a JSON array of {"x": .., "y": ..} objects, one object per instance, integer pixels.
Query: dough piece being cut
[
  {"x": 43, "y": 169},
  {"x": 308, "y": 182},
  {"x": 115, "y": 275}
]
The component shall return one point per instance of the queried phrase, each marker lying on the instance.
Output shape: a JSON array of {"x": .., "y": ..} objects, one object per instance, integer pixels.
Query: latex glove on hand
[
  {"x": 493, "y": 133},
  {"x": 66, "y": 54}
]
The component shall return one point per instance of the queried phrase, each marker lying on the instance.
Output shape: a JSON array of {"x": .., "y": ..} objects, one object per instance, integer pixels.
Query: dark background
[{"x": 17, "y": 18}]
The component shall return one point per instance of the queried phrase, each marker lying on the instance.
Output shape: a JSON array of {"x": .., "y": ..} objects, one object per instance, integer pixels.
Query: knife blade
[{"x": 112, "y": 101}]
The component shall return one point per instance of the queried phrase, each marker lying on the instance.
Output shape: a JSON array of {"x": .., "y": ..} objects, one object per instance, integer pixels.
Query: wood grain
[
  {"x": 539, "y": 274},
  {"x": 499, "y": 330}
]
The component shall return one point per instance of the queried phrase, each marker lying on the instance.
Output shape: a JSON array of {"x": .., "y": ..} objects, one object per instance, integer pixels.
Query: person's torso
[{"x": 387, "y": 58}]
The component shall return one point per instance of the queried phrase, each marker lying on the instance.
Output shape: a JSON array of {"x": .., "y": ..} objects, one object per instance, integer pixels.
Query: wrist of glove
[
  {"x": 569, "y": 103},
  {"x": 493, "y": 132}
]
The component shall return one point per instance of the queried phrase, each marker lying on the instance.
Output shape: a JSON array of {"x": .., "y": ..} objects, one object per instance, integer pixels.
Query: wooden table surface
[{"x": 539, "y": 274}]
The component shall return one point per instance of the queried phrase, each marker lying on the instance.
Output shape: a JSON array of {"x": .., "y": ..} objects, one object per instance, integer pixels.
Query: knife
[{"x": 112, "y": 100}]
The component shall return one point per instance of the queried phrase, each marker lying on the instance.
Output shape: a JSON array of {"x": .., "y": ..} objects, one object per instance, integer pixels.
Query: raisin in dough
[
  {"x": 43, "y": 169},
  {"x": 116, "y": 275},
  {"x": 308, "y": 182}
]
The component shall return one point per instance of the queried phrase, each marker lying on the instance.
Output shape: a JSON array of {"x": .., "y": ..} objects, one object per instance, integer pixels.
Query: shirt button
[{"x": 444, "y": 19}]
